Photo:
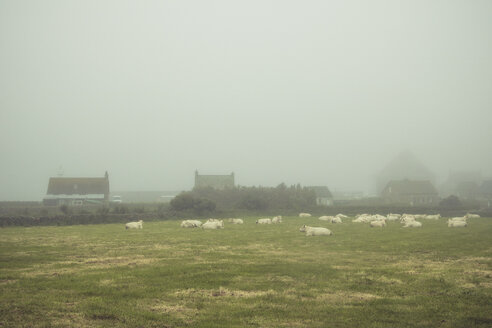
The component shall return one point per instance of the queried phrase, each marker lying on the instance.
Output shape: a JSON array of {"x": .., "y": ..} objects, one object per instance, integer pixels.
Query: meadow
[{"x": 247, "y": 275}]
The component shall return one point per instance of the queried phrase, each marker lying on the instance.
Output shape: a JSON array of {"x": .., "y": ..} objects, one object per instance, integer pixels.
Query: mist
[{"x": 316, "y": 93}]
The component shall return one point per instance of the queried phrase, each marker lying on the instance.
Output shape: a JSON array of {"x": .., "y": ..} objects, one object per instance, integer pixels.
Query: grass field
[{"x": 247, "y": 276}]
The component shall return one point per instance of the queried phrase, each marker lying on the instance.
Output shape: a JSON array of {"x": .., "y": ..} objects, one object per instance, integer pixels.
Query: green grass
[{"x": 247, "y": 276}]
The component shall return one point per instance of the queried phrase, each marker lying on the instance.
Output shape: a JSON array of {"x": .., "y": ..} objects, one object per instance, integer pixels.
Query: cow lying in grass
[
  {"x": 213, "y": 225},
  {"x": 378, "y": 223},
  {"x": 191, "y": 224},
  {"x": 315, "y": 231},
  {"x": 456, "y": 224},
  {"x": 277, "y": 219},
  {"x": 134, "y": 225},
  {"x": 412, "y": 224}
]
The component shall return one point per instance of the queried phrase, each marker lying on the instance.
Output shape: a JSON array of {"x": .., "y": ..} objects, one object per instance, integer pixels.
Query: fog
[{"x": 309, "y": 92}]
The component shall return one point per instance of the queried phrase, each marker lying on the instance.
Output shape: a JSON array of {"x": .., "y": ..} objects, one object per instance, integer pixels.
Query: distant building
[
  {"x": 344, "y": 197},
  {"x": 404, "y": 166},
  {"x": 468, "y": 190},
  {"x": 214, "y": 181},
  {"x": 464, "y": 184},
  {"x": 411, "y": 192},
  {"x": 486, "y": 192},
  {"x": 77, "y": 191},
  {"x": 323, "y": 195}
]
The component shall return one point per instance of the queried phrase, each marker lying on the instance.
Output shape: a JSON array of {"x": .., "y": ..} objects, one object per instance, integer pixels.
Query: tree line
[{"x": 280, "y": 198}]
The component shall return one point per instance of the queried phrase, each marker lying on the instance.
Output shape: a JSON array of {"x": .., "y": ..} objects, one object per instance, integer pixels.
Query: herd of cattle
[{"x": 407, "y": 221}]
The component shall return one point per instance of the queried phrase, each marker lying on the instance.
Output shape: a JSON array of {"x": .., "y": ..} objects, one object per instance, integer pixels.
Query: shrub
[
  {"x": 65, "y": 209},
  {"x": 139, "y": 210},
  {"x": 120, "y": 209},
  {"x": 188, "y": 202},
  {"x": 451, "y": 202},
  {"x": 182, "y": 202},
  {"x": 103, "y": 210},
  {"x": 202, "y": 206},
  {"x": 250, "y": 202}
]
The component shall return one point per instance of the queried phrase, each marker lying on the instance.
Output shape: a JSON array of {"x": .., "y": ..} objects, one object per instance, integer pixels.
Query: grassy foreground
[{"x": 247, "y": 276}]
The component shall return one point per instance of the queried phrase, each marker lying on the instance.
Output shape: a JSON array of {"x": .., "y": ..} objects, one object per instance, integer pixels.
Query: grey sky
[{"x": 310, "y": 92}]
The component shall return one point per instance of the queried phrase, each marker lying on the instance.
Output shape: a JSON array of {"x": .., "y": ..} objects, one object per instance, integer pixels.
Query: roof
[
  {"x": 321, "y": 191},
  {"x": 410, "y": 187},
  {"x": 75, "y": 196},
  {"x": 78, "y": 186}
]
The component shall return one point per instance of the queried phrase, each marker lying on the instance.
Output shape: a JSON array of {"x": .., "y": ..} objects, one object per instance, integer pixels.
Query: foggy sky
[{"x": 309, "y": 92}]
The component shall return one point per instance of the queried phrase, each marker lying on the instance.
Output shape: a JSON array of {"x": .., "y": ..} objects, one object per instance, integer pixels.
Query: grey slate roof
[
  {"x": 78, "y": 186},
  {"x": 410, "y": 187}
]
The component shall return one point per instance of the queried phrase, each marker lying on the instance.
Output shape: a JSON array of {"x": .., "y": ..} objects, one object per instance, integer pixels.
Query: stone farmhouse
[
  {"x": 486, "y": 192},
  {"x": 464, "y": 184},
  {"x": 220, "y": 182},
  {"x": 404, "y": 166},
  {"x": 411, "y": 192}
]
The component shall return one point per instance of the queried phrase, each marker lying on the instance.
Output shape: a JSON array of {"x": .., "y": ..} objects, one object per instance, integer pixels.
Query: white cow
[
  {"x": 377, "y": 223},
  {"x": 198, "y": 223},
  {"x": 407, "y": 218},
  {"x": 412, "y": 224},
  {"x": 472, "y": 216},
  {"x": 393, "y": 217},
  {"x": 458, "y": 219},
  {"x": 433, "y": 217},
  {"x": 236, "y": 221},
  {"x": 188, "y": 224},
  {"x": 456, "y": 224},
  {"x": 304, "y": 215},
  {"x": 378, "y": 217},
  {"x": 336, "y": 219},
  {"x": 213, "y": 225},
  {"x": 277, "y": 219},
  {"x": 363, "y": 218},
  {"x": 315, "y": 231},
  {"x": 134, "y": 225},
  {"x": 264, "y": 221},
  {"x": 325, "y": 218},
  {"x": 342, "y": 216}
]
